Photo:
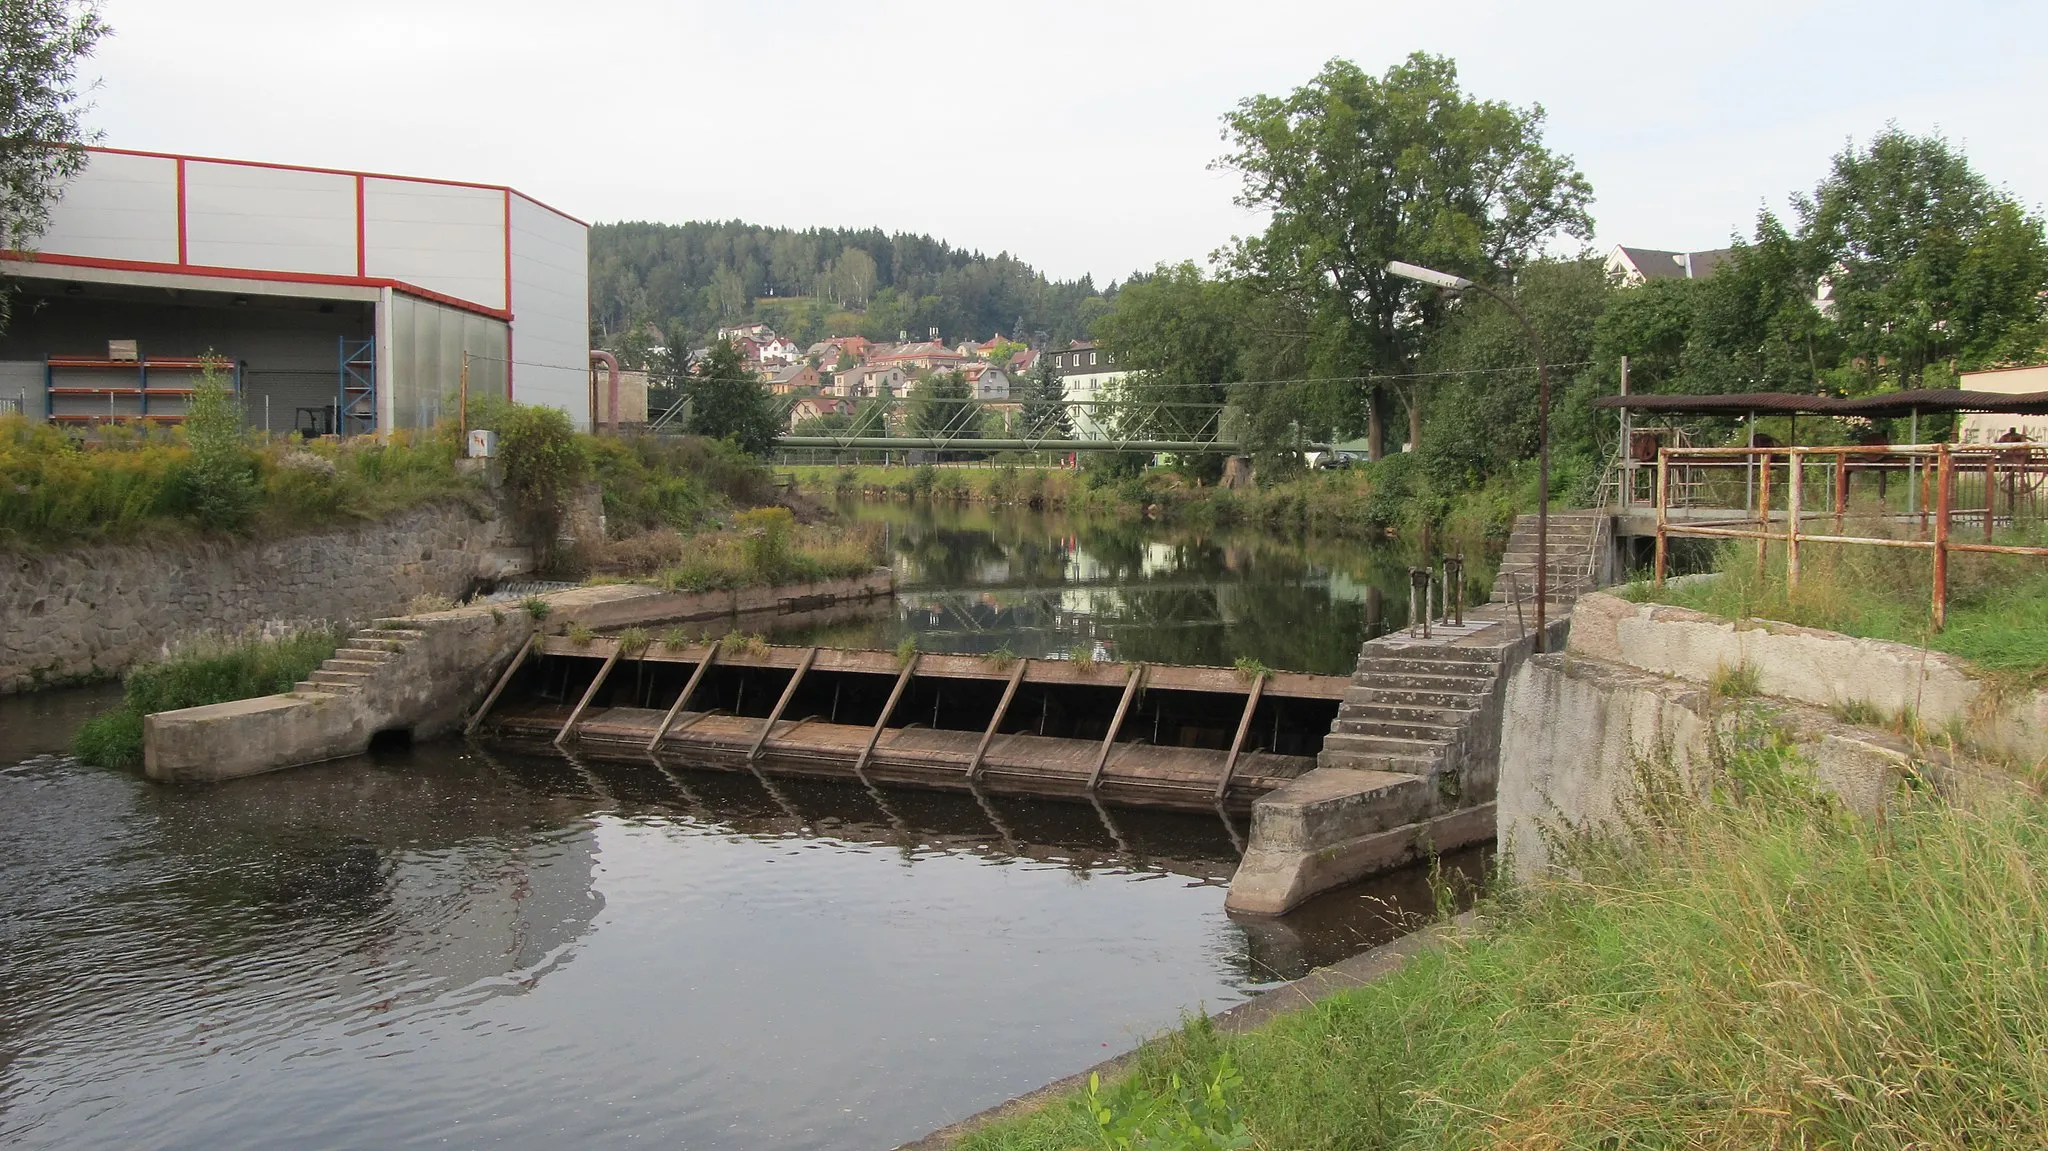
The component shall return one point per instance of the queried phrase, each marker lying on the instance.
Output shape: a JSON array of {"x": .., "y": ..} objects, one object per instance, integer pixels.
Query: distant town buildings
[{"x": 1628, "y": 267}]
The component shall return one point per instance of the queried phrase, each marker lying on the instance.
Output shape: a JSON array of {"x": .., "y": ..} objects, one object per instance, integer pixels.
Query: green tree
[
  {"x": 220, "y": 481},
  {"x": 1043, "y": 403},
  {"x": 729, "y": 289},
  {"x": 942, "y": 404},
  {"x": 1177, "y": 332},
  {"x": 1357, "y": 171},
  {"x": 727, "y": 402},
  {"x": 41, "y": 43},
  {"x": 1926, "y": 261}
]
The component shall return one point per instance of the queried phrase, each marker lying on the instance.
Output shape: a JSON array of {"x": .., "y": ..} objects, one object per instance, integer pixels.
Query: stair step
[
  {"x": 1375, "y": 761},
  {"x": 392, "y": 632},
  {"x": 1394, "y": 729},
  {"x": 1451, "y": 717},
  {"x": 364, "y": 666},
  {"x": 308, "y": 687},
  {"x": 339, "y": 678},
  {"x": 1382, "y": 745},
  {"x": 1371, "y": 676},
  {"x": 1414, "y": 697},
  {"x": 1425, "y": 665}
]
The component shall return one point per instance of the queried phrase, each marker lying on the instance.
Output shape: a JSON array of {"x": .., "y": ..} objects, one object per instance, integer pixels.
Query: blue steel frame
[{"x": 357, "y": 398}]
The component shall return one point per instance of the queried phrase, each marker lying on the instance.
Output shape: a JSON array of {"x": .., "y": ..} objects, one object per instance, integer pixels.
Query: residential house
[
  {"x": 865, "y": 381},
  {"x": 1631, "y": 266},
  {"x": 988, "y": 381},
  {"x": 793, "y": 379},
  {"x": 812, "y": 407},
  {"x": 1085, "y": 371},
  {"x": 756, "y": 332},
  {"x": 930, "y": 356},
  {"x": 778, "y": 351}
]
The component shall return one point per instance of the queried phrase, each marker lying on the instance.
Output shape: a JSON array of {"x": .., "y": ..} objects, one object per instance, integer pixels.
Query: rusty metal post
[
  {"x": 1944, "y": 492},
  {"x": 1663, "y": 509},
  {"x": 1990, "y": 492},
  {"x": 1795, "y": 484},
  {"x": 1926, "y": 495},
  {"x": 1841, "y": 489},
  {"x": 1763, "y": 514}
]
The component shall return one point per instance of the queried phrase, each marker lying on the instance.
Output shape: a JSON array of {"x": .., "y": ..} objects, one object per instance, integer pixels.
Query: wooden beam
[
  {"x": 875, "y": 733},
  {"x": 1109, "y": 740},
  {"x": 518, "y": 661},
  {"x": 1244, "y": 726},
  {"x": 761, "y": 740},
  {"x": 689, "y": 689},
  {"x": 1002, "y": 709},
  {"x": 562, "y": 738}
]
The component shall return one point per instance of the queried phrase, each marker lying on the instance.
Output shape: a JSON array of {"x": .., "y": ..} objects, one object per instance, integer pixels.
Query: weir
[{"x": 1187, "y": 738}]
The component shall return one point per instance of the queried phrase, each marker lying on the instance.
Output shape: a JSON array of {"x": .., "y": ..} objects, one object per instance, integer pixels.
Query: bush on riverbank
[
  {"x": 1997, "y": 609},
  {"x": 209, "y": 669},
  {"x": 764, "y": 547},
  {"x": 1756, "y": 970}
]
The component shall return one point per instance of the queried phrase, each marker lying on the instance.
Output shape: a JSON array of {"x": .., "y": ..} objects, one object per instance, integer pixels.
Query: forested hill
[{"x": 689, "y": 279}]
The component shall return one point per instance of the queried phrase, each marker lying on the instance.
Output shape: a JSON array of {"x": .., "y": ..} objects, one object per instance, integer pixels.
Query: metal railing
[{"x": 1946, "y": 485}]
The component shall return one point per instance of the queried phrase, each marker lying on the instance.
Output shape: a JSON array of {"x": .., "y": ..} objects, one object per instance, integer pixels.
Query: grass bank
[
  {"x": 1997, "y": 610},
  {"x": 763, "y": 547},
  {"x": 1755, "y": 970},
  {"x": 206, "y": 669},
  {"x": 1369, "y": 501}
]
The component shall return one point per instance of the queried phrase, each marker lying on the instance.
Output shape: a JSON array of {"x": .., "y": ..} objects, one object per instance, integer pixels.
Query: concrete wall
[
  {"x": 1578, "y": 734},
  {"x": 92, "y": 612},
  {"x": 1816, "y": 667}
]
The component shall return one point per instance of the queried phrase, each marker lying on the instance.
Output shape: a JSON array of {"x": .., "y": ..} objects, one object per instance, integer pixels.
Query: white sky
[{"x": 1075, "y": 135}]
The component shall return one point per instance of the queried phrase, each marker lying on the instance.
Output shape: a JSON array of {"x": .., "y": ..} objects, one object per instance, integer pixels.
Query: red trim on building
[
  {"x": 181, "y": 212},
  {"x": 331, "y": 172},
  {"x": 362, "y": 253},
  {"x": 427, "y": 294}
]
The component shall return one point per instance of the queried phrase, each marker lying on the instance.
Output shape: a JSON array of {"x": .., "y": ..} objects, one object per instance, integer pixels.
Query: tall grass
[
  {"x": 206, "y": 669},
  {"x": 1757, "y": 969},
  {"x": 764, "y": 548},
  {"x": 1997, "y": 610}
]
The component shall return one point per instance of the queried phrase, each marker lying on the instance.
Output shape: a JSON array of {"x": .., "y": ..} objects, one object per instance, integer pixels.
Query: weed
[
  {"x": 427, "y": 603},
  {"x": 633, "y": 640},
  {"x": 906, "y": 650},
  {"x": 537, "y": 607},
  {"x": 390, "y": 625},
  {"x": 497, "y": 615},
  {"x": 1859, "y": 712},
  {"x": 1001, "y": 658},
  {"x": 579, "y": 634},
  {"x": 1739, "y": 682},
  {"x": 1249, "y": 669},
  {"x": 1083, "y": 657},
  {"x": 674, "y": 639}
]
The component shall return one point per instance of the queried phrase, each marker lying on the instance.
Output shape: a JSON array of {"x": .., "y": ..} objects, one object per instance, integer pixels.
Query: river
[{"x": 452, "y": 946}]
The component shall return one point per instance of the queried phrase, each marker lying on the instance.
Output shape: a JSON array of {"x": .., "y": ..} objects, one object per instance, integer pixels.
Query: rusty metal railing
[{"x": 1936, "y": 474}]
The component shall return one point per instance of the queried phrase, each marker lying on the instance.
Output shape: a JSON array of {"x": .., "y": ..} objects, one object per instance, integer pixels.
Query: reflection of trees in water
[{"x": 978, "y": 579}]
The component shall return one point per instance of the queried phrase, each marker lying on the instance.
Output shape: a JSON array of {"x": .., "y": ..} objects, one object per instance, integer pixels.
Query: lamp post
[{"x": 1454, "y": 284}]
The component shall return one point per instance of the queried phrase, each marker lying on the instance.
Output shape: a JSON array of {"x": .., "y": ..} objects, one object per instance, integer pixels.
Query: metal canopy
[{"x": 1881, "y": 406}]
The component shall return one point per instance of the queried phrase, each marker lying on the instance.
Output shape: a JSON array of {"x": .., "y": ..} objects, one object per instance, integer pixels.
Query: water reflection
[
  {"x": 976, "y": 579},
  {"x": 441, "y": 945}
]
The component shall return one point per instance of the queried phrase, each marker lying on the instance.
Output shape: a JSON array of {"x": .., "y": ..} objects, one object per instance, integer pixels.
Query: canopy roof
[{"x": 1884, "y": 405}]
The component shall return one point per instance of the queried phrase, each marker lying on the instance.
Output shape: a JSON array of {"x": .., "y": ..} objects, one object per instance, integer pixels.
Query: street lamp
[{"x": 1450, "y": 283}]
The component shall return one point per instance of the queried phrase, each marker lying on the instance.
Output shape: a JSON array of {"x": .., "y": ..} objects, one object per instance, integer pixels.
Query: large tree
[
  {"x": 1359, "y": 170},
  {"x": 1925, "y": 261},
  {"x": 942, "y": 404},
  {"x": 1177, "y": 333},
  {"x": 727, "y": 401},
  {"x": 1043, "y": 394},
  {"x": 41, "y": 112}
]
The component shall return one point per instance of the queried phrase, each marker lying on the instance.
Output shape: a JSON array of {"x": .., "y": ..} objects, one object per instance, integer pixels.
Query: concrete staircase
[
  {"x": 1578, "y": 545},
  {"x": 367, "y": 654},
  {"x": 1412, "y": 707}
]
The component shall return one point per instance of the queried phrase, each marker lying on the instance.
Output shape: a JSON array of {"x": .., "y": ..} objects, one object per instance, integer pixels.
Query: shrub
[
  {"x": 579, "y": 633},
  {"x": 543, "y": 464},
  {"x": 219, "y": 481},
  {"x": 537, "y": 607}
]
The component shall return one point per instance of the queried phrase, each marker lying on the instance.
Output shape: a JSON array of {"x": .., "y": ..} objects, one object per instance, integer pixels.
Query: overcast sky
[{"x": 1074, "y": 135}]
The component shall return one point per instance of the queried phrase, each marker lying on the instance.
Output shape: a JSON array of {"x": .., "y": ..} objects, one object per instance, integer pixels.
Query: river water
[{"x": 451, "y": 946}]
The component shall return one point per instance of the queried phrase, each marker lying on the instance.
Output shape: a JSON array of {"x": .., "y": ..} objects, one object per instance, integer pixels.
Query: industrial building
[{"x": 343, "y": 301}]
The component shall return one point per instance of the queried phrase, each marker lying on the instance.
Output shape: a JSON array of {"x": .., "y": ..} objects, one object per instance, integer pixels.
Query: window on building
[{"x": 1091, "y": 359}]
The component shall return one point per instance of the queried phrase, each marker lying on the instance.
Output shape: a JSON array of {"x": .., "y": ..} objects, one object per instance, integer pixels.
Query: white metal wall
[
  {"x": 550, "y": 309},
  {"x": 445, "y": 238},
  {"x": 269, "y": 219},
  {"x": 120, "y": 208}
]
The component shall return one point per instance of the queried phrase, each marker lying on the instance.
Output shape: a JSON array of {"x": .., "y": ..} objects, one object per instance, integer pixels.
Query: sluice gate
[{"x": 1189, "y": 738}]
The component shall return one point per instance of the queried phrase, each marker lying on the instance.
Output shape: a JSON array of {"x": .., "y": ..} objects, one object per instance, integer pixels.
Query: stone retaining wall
[{"x": 92, "y": 612}]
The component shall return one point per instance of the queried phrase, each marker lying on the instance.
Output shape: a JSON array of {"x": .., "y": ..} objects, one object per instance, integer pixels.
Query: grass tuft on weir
[{"x": 1753, "y": 969}]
